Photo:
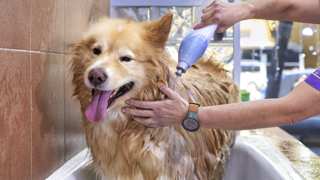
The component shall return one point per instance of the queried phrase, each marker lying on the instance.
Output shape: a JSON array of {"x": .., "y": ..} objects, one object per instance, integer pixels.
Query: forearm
[
  {"x": 267, "y": 113},
  {"x": 294, "y": 10},
  {"x": 302, "y": 102}
]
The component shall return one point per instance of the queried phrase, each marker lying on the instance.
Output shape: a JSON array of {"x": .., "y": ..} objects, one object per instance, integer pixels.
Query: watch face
[{"x": 190, "y": 124}]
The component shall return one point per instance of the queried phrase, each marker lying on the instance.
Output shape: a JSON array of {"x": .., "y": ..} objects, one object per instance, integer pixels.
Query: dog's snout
[{"x": 97, "y": 76}]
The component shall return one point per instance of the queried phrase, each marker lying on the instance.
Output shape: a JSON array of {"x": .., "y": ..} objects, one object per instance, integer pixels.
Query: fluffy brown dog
[{"x": 121, "y": 59}]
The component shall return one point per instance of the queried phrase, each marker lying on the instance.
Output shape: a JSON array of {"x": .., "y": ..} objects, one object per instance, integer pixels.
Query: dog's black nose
[{"x": 97, "y": 76}]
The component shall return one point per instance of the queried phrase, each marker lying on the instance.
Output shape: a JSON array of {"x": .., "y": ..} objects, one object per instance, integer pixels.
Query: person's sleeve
[{"x": 314, "y": 79}]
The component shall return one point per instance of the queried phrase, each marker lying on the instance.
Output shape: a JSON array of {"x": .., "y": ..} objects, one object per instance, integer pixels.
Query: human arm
[
  {"x": 302, "y": 102},
  {"x": 227, "y": 14},
  {"x": 294, "y": 10}
]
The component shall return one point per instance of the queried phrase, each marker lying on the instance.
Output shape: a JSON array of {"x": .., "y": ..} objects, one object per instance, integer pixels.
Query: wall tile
[
  {"x": 15, "y": 24},
  {"x": 47, "y": 71},
  {"x": 78, "y": 14},
  {"x": 15, "y": 124},
  {"x": 74, "y": 134},
  {"x": 40, "y": 122},
  {"x": 47, "y": 25}
]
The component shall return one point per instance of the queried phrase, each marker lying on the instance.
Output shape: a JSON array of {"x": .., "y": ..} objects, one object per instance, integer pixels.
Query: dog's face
[{"x": 116, "y": 59}]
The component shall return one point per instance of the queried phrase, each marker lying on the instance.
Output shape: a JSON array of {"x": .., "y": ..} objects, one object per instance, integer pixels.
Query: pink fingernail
[{"x": 161, "y": 87}]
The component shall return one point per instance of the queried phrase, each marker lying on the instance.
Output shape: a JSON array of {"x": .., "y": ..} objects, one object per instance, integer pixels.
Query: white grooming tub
[{"x": 254, "y": 157}]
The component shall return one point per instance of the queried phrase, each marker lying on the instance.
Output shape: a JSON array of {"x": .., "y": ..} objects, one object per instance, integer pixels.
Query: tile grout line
[
  {"x": 64, "y": 82},
  {"x": 31, "y": 102},
  {"x": 31, "y": 51},
  {"x": 64, "y": 109}
]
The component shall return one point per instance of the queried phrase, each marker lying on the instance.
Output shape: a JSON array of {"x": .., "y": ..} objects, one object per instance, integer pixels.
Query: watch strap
[
  {"x": 193, "y": 107},
  {"x": 192, "y": 115}
]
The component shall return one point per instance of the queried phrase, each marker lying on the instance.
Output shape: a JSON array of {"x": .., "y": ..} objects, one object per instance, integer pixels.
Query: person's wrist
[
  {"x": 248, "y": 11},
  {"x": 191, "y": 122},
  {"x": 184, "y": 111},
  {"x": 200, "y": 116}
]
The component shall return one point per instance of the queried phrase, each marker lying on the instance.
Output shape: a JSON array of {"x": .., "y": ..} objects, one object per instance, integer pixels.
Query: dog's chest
[{"x": 157, "y": 154}]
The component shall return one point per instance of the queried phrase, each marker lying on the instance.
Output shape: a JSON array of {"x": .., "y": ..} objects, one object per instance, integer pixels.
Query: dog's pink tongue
[{"x": 97, "y": 108}]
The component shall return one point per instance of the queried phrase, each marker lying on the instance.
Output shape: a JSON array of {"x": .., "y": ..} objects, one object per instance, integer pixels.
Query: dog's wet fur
[{"x": 123, "y": 149}]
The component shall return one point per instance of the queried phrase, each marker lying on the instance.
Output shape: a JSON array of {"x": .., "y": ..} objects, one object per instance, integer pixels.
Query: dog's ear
[{"x": 158, "y": 31}]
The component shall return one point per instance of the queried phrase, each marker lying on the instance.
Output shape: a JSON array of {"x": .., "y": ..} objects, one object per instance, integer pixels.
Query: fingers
[
  {"x": 212, "y": 20},
  {"x": 138, "y": 112},
  {"x": 221, "y": 29},
  {"x": 212, "y": 4},
  {"x": 147, "y": 122},
  {"x": 211, "y": 15},
  {"x": 152, "y": 104},
  {"x": 210, "y": 8},
  {"x": 198, "y": 26},
  {"x": 142, "y": 116},
  {"x": 208, "y": 16},
  {"x": 142, "y": 104},
  {"x": 171, "y": 94},
  {"x": 204, "y": 24}
]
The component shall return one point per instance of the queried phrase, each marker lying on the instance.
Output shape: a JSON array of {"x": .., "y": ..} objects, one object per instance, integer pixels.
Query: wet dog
[{"x": 120, "y": 59}]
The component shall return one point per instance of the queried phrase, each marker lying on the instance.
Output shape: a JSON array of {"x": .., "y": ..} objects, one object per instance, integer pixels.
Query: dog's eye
[
  {"x": 125, "y": 58},
  {"x": 97, "y": 50}
]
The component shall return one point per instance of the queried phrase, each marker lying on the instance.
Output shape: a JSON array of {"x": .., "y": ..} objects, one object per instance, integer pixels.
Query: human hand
[
  {"x": 223, "y": 14},
  {"x": 162, "y": 113}
]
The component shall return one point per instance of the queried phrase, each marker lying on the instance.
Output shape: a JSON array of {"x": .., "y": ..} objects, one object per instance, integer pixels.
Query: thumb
[
  {"x": 198, "y": 26},
  {"x": 171, "y": 94},
  {"x": 221, "y": 29}
]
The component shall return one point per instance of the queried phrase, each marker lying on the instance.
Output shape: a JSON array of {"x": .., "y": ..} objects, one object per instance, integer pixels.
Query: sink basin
[
  {"x": 250, "y": 161},
  {"x": 252, "y": 158}
]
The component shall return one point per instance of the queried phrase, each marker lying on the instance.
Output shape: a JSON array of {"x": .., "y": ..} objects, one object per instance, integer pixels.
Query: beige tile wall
[{"x": 39, "y": 120}]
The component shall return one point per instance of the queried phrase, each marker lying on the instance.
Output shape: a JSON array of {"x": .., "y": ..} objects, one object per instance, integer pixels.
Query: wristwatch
[{"x": 191, "y": 122}]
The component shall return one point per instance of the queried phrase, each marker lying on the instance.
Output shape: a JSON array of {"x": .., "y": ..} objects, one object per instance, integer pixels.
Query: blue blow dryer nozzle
[{"x": 193, "y": 46}]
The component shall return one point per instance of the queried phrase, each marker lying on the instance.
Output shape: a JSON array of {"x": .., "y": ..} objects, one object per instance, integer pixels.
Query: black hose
[{"x": 279, "y": 58}]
